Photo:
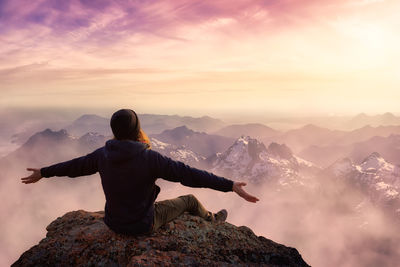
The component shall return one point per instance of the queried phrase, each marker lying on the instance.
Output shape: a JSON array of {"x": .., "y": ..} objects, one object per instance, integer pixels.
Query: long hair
[{"x": 142, "y": 137}]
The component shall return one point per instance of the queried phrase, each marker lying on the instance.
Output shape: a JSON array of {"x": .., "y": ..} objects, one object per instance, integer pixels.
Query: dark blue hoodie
[{"x": 128, "y": 172}]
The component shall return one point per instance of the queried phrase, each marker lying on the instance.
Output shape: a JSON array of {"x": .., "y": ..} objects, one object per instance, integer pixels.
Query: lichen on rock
[{"x": 80, "y": 238}]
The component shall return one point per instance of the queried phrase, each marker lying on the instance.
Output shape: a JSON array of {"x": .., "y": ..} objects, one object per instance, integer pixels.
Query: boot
[{"x": 221, "y": 215}]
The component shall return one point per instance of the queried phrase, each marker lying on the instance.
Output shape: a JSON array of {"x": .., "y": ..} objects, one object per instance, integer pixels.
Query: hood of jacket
[{"x": 121, "y": 150}]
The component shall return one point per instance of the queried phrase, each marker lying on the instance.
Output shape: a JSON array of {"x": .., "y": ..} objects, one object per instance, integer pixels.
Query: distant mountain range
[
  {"x": 154, "y": 124},
  {"x": 308, "y": 135},
  {"x": 245, "y": 159},
  {"x": 321, "y": 146},
  {"x": 48, "y": 147},
  {"x": 339, "y": 122},
  {"x": 318, "y": 145},
  {"x": 199, "y": 142},
  {"x": 256, "y": 130},
  {"x": 363, "y": 119},
  {"x": 312, "y": 135},
  {"x": 151, "y": 124},
  {"x": 388, "y": 147},
  {"x": 297, "y": 139}
]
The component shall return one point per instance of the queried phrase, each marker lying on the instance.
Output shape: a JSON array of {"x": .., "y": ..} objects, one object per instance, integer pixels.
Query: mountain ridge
[
  {"x": 199, "y": 142},
  {"x": 249, "y": 159},
  {"x": 375, "y": 177},
  {"x": 257, "y": 130}
]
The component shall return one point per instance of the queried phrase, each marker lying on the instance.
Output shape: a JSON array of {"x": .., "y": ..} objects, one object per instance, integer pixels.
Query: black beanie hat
[{"x": 125, "y": 124}]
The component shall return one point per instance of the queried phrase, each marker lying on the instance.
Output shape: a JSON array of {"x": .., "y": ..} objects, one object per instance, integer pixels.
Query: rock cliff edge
[{"x": 80, "y": 238}]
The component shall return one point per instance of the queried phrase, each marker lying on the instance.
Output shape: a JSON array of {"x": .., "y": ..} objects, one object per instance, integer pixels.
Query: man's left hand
[{"x": 33, "y": 178}]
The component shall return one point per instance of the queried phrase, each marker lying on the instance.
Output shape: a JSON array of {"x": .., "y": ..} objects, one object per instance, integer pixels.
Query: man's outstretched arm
[
  {"x": 176, "y": 171},
  {"x": 85, "y": 165}
]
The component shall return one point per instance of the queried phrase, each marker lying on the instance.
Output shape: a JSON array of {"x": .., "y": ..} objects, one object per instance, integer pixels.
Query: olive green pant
[{"x": 167, "y": 210}]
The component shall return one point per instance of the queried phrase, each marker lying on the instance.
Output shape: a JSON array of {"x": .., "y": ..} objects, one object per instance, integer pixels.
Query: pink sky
[{"x": 202, "y": 57}]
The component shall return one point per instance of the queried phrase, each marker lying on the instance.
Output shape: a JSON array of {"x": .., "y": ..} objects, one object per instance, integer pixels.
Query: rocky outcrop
[{"x": 81, "y": 238}]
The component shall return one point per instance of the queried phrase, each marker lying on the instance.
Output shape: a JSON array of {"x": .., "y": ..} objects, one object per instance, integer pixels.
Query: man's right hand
[{"x": 237, "y": 188}]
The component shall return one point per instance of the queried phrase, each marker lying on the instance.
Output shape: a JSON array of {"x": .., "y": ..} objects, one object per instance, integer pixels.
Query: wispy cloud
[
  {"x": 112, "y": 20},
  {"x": 269, "y": 46}
]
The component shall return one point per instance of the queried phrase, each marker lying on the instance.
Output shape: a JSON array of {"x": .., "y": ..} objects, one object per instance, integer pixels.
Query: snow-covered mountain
[
  {"x": 249, "y": 159},
  {"x": 50, "y": 146},
  {"x": 375, "y": 177},
  {"x": 180, "y": 153}
]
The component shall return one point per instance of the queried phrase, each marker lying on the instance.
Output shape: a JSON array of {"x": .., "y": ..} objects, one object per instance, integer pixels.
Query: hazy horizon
[{"x": 229, "y": 117}]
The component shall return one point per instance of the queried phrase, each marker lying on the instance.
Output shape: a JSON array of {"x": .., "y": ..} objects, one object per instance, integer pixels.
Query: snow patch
[
  {"x": 374, "y": 163},
  {"x": 158, "y": 144}
]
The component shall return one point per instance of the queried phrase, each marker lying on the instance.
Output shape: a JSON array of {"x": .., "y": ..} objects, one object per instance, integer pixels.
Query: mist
[
  {"x": 329, "y": 222},
  {"x": 336, "y": 226}
]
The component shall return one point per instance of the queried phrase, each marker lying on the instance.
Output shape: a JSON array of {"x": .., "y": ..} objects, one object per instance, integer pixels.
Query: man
[{"x": 128, "y": 169}]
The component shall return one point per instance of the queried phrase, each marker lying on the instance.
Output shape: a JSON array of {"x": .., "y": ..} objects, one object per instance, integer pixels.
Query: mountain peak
[
  {"x": 90, "y": 118},
  {"x": 249, "y": 145},
  {"x": 50, "y": 135},
  {"x": 374, "y": 156},
  {"x": 245, "y": 139},
  {"x": 388, "y": 115},
  {"x": 182, "y": 128},
  {"x": 179, "y": 132},
  {"x": 187, "y": 240},
  {"x": 375, "y": 162},
  {"x": 249, "y": 159}
]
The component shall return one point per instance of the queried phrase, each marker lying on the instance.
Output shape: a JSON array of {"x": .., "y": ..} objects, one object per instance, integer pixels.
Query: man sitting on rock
[{"x": 128, "y": 169}]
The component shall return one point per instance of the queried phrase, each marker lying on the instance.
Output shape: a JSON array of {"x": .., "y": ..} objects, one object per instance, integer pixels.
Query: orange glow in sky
[{"x": 202, "y": 57}]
